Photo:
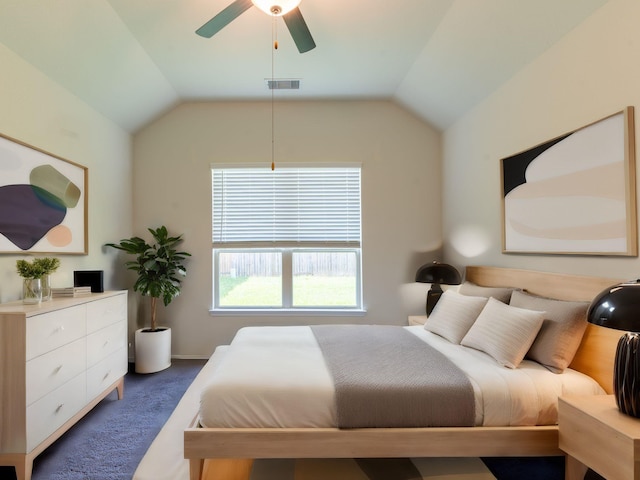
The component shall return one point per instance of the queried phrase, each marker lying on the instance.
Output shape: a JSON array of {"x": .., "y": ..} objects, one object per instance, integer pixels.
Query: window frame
[{"x": 287, "y": 250}]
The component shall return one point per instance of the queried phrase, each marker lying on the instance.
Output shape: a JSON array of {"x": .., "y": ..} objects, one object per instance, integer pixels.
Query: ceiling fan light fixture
[{"x": 276, "y": 7}]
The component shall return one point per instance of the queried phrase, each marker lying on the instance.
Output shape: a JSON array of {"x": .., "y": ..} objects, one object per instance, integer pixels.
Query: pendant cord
[{"x": 274, "y": 38}]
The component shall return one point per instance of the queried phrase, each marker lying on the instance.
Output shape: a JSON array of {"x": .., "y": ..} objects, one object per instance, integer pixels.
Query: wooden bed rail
[{"x": 371, "y": 442}]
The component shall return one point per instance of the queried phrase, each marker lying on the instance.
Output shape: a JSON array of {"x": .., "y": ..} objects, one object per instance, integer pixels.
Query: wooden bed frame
[{"x": 594, "y": 358}]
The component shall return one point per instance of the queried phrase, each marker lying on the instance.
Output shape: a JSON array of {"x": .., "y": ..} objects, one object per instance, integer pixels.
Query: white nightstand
[{"x": 417, "y": 319}]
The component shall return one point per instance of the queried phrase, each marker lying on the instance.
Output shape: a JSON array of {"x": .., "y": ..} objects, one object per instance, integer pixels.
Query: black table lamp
[
  {"x": 619, "y": 307},
  {"x": 437, "y": 273}
]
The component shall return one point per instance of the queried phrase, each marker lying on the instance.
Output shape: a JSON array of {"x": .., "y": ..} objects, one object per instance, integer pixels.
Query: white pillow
[
  {"x": 454, "y": 314},
  {"x": 504, "y": 332}
]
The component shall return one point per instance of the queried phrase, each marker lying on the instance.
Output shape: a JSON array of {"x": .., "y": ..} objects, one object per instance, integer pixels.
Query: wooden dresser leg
[
  {"x": 24, "y": 467},
  {"x": 120, "y": 389},
  {"x": 196, "y": 466},
  {"x": 573, "y": 469}
]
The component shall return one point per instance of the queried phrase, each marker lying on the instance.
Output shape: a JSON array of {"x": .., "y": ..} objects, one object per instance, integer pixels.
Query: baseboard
[
  {"x": 191, "y": 357},
  {"x": 179, "y": 357}
]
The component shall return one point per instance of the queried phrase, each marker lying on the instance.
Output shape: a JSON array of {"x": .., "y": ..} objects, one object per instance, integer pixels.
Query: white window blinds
[{"x": 287, "y": 206}]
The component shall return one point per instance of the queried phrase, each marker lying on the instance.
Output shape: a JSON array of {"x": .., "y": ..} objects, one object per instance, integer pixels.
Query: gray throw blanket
[{"x": 385, "y": 376}]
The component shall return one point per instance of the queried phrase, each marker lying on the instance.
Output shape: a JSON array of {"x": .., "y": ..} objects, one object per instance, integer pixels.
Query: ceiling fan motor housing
[{"x": 282, "y": 7}]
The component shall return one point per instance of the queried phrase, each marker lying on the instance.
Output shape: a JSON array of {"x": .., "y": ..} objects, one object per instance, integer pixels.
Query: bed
[{"x": 594, "y": 358}]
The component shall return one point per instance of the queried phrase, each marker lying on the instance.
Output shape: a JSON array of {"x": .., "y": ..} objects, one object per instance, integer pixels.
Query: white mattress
[{"x": 277, "y": 377}]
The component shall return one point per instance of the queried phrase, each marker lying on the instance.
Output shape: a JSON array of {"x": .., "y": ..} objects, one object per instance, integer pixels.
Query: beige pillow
[
  {"x": 500, "y": 293},
  {"x": 453, "y": 315},
  {"x": 561, "y": 332},
  {"x": 504, "y": 332}
]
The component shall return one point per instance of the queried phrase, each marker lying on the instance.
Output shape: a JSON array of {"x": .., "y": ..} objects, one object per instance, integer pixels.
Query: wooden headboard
[{"x": 595, "y": 357}]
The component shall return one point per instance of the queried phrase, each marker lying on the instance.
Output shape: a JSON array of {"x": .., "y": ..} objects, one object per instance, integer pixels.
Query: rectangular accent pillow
[
  {"x": 562, "y": 330},
  {"x": 504, "y": 332},
  {"x": 500, "y": 293},
  {"x": 454, "y": 314}
]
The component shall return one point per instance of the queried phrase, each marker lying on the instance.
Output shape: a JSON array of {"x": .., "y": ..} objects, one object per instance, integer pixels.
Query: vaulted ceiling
[{"x": 133, "y": 59}]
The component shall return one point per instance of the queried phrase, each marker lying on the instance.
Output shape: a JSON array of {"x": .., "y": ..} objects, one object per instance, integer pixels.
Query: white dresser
[{"x": 57, "y": 361}]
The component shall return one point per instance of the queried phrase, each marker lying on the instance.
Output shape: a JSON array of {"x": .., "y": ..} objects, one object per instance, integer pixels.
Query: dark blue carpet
[
  {"x": 110, "y": 441},
  {"x": 527, "y": 468}
]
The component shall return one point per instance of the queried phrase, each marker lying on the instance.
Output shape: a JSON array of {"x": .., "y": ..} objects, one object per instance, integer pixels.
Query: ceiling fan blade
[
  {"x": 224, "y": 18},
  {"x": 299, "y": 30}
]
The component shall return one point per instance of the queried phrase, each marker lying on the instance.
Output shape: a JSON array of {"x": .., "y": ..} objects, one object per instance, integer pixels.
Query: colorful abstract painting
[
  {"x": 574, "y": 194},
  {"x": 43, "y": 201}
]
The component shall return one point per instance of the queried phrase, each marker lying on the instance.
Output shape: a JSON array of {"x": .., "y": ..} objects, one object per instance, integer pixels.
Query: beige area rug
[{"x": 372, "y": 469}]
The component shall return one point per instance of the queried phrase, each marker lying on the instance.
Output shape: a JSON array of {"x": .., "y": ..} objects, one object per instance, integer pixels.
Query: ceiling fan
[{"x": 287, "y": 9}]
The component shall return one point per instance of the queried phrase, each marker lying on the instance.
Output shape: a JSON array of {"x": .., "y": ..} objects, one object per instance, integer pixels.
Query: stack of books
[{"x": 70, "y": 291}]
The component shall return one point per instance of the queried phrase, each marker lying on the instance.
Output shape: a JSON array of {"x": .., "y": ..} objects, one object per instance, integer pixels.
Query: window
[{"x": 287, "y": 238}]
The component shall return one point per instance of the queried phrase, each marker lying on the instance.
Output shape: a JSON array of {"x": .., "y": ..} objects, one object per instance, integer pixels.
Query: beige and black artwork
[{"x": 574, "y": 194}]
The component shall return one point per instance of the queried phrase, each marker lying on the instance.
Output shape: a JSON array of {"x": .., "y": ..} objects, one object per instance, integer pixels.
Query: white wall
[
  {"x": 591, "y": 73},
  {"x": 37, "y": 111},
  {"x": 400, "y": 157}
]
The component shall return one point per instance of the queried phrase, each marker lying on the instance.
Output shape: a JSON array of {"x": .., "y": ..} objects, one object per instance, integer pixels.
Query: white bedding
[{"x": 277, "y": 377}]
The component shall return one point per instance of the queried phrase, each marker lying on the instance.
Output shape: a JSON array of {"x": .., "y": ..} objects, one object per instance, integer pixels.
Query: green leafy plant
[
  {"x": 159, "y": 267},
  {"x": 48, "y": 264},
  {"x": 38, "y": 267}
]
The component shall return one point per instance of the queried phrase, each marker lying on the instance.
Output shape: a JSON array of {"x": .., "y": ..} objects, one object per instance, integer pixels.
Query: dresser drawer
[
  {"x": 50, "y": 412},
  {"x": 105, "y": 372},
  {"x": 104, "y": 342},
  {"x": 106, "y": 312},
  {"x": 49, "y": 371},
  {"x": 51, "y": 330}
]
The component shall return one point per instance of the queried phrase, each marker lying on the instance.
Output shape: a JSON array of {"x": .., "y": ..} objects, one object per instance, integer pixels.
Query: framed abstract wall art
[
  {"x": 575, "y": 194},
  {"x": 43, "y": 201}
]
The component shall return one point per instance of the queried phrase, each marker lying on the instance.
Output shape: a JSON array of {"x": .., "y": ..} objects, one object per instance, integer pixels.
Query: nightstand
[
  {"x": 596, "y": 435},
  {"x": 417, "y": 319}
]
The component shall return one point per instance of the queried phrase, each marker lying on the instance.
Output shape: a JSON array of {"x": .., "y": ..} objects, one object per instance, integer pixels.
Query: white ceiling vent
[{"x": 283, "y": 84}]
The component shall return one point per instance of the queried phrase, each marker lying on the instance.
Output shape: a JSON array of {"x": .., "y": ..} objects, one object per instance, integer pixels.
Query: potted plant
[
  {"x": 36, "y": 285},
  {"x": 159, "y": 267}
]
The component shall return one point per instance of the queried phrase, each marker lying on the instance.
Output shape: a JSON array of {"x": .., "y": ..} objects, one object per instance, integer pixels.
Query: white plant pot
[{"x": 153, "y": 350}]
